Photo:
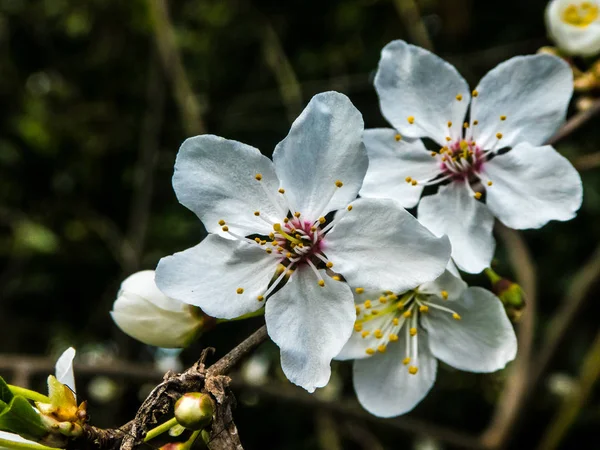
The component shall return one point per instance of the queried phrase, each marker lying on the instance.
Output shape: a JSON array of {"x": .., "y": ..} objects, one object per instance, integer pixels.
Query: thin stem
[
  {"x": 28, "y": 394},
  {"x": 225, "y": 364},
  {"x": 162, "y": 428},
  {"x": 191, "y": 440},
  {"x": 575, "y": 123}
]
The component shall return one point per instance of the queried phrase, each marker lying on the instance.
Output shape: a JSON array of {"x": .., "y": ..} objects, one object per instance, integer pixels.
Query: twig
[
  {"x": 587, "y": 162},
  {"x": 575, "y": 122},
  {"x": 513, "y": 396},
  {"x": 225, "y": 364},
  {"x": 189, "y": 108},
  {"x": 409, "y": 14},
  {"x": 567, "y": 413}
]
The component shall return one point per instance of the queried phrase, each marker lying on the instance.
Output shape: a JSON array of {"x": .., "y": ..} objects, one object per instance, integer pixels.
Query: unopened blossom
[
  {"x": 489, "y": 158},
  {"x": 274, "y": 241},
  {"x": 146, "y": 314},
  {"x": 398, "y": 338},
  {"x": 575, "y": 26}
]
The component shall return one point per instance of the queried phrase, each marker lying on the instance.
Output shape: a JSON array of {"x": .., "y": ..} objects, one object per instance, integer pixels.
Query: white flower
[
  {"x": 64, "y": 368},
  {"x": 575, "y": 26},
  {"x": 272, "y": 237},
  {"x": 146, "y": 314},
  {"x": 516, "y": 106},
  {"x": 398, "y": 339}
]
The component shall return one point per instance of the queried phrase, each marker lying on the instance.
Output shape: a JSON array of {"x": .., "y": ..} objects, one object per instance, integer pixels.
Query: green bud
[
  {"x": 194, "y": 410},
  {"x": 510, "y": 294}
]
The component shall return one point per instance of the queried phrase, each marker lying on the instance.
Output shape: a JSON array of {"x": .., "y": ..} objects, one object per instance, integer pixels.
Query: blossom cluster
[{"x": 319, "y": 237}]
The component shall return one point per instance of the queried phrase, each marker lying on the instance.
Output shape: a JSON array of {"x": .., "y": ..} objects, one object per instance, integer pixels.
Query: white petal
[
  {"x": 152, "y": 325},
  {"x": 531, "y": 186},
  {"x": 323, "y": 146},
  {"x": 210, "y": 274},
  {"x": 383, "y": 385},
  {"x": 451, "y": 267},
  {"x": 412, "y": 81},
  {"x": 310, "y": 324},
  {"x": 533, "y": 92},
  {"x": 142, "y": 284},
  {"x": 215, "y": 178},
  {"x": 482, "y": 341},
  {"x": 378, "y": 245},
  {"x": 16, "y": 438},
  {"x": 447, "y": 282},
  {"x": 574, "y": 40},
  {"x": 390, "y": 162},
  {"x": 356, "y": 347},
  {"x": 64, "y": 368},
  {"x": 454, "y": 212}
]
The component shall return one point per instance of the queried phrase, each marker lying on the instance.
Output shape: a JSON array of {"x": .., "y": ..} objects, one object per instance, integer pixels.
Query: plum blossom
[
  {"x": 489, "y": 158},
  {"x": 146, "y": 314},
  {"x": 398, "y": 339},
  {"x": 575, "y": 26},
  {"x": 274, "y": 241}
]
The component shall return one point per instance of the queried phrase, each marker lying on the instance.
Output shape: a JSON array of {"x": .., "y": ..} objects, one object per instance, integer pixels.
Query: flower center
[
  {"x": 382, "y": 320},
  {"x": 580, "y": 14}
]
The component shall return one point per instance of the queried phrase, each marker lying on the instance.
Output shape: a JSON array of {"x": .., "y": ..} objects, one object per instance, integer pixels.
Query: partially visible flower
[
  {"x": 575, "y": 26},
  {"x": 490, "y": 147},
  {"x": 274, "y": 238},
  {"x": 398, "y": 338},
  {"x": 146, "y": 314},
  {"x": 18, "y": 441}
]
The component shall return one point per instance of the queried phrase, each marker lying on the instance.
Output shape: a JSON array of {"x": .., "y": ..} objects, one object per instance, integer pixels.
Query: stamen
[
  {"x": 360, "y": 290},
  {"x": 444, "y": 295},
  {"x": 240, "y": 290},
  {"x": 459, "y": 97},
  {"x": 410, "y": 119},
  {"x": 381, "y": 348},
  {"x": 314, "y": 269},
  {"x": 398, "y": 137},
  {"x": 370, "y": 351},
  {"x": 475, "y": 93},
  {"x": 413, "y": 370}
]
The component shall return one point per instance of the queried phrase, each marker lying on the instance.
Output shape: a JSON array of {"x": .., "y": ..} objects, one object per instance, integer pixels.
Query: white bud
[
  {"x": 146, "y": 314},
  {"x": 574, "y": 25},
  {"x": 194, "y": 410}
]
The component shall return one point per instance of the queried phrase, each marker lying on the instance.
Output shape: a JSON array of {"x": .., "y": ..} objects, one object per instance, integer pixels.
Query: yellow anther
[
  {"x": 381, "y": 348},
  {"x": 313, "y": 229},
  {"x": 477, "y": 195},
  {"x": 580, "y": 15},
  {"x": 413, "y": 331},
  {"x": 410, "y": 119},
  {"x": 225, "y": 228},
  {"x": 449, "y": 124},
  {"x": 286, "y": 220},
  {"x": 413, "y": 182},
  {"x": 277, "y": 226},
  {"x": 424, "y": 308},
  {"x": 258, "y": 176},
  {"x": 474, "y": 93},
  {"x": 393, "y": 297},
  {"x": 503, "y": 118},
  {"x": 297, "y": 214},
  {"x": 221, "y": 222},
  {"x": 444, "y": 295},
  {"x": 407, "y": 314},
  {"x": 339, "y": 184},
  {"x": 466, "y": 125},
  {"x": 374, "y": 312},
  {"x": 357, "y": 309},
  {"x": 395, "y": 321},
  {"x": 257, "y": 213},
  {"x": 260, "y": 298},
  {"x": 397, "y": 137},
  {"x": 349, "y": 207},
  {"x": 329, "y": 265},
  {"x": 408, "y": 179},
  {"x": 499, "y": 135},
  {"x": 444, "y": 159},
  {"x": 400, "y": 305},
  {"x": 459, "y": 97},
  {"x": 456, "y": 316},
  {"x": 257, "y": 240},
  {"x": 365, "y": 333},
  {"x": 268, "y": 250},
  {"x": 360, "y": 290},
  {"x": 336, "y": 278},
  {"x": 272, "y": 236},
  {"x": 489, "y": 183},
  {"x": 357, "y": 327},
  {"x": 378, "y": 333},
  {"x": 406, "y": 361},
  {"x": 370, "y": 351},
  {"x": 413, "y": 370},
  {"x": 393, "y": 337},
  {"x": 475, "y": 122},
  {"x": 367, "y": 304},
  {"x": 288, "y": 255},
  {"x": 448, "y": 138},
  {"x": 281, "y": 190},
  {"x": 321, "y": 219},
  {"x": 240, "y": 290},
  {"x": 433, "y": 154},
  {"x": 382, "y": 299},
  {"x": 321, "y": 283}
]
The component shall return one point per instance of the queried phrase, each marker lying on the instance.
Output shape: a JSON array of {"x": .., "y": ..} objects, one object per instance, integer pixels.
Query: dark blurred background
[{"x": 96, "y": 97}]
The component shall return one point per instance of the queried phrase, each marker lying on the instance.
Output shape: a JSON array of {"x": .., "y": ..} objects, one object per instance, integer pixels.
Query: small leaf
[
  {"x": 5, "y": 394},
  {"x": 21, "y": 418}
]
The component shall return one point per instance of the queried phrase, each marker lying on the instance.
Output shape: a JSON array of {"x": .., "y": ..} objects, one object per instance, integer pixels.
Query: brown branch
[
  {"x": 228, "y": 361},
  {"x": 575, "y": 122},
  {"x": 587, "y": 162},
  {"x": 408, "y": 12},
  {"x": 513, "y": 396}
]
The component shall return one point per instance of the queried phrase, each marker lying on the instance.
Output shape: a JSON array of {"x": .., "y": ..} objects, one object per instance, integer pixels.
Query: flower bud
[
  {"x": 194, "y": 410},
  {"x": 510, "y": 294},
  {"x": 575, "y": 26},
  {"x": 143, "y": 312}
]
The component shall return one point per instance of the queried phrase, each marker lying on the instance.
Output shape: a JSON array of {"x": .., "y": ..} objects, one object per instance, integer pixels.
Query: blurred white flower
[
  {"x": 575, "y": 26},
  {"x": 143, "y": 312}
]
